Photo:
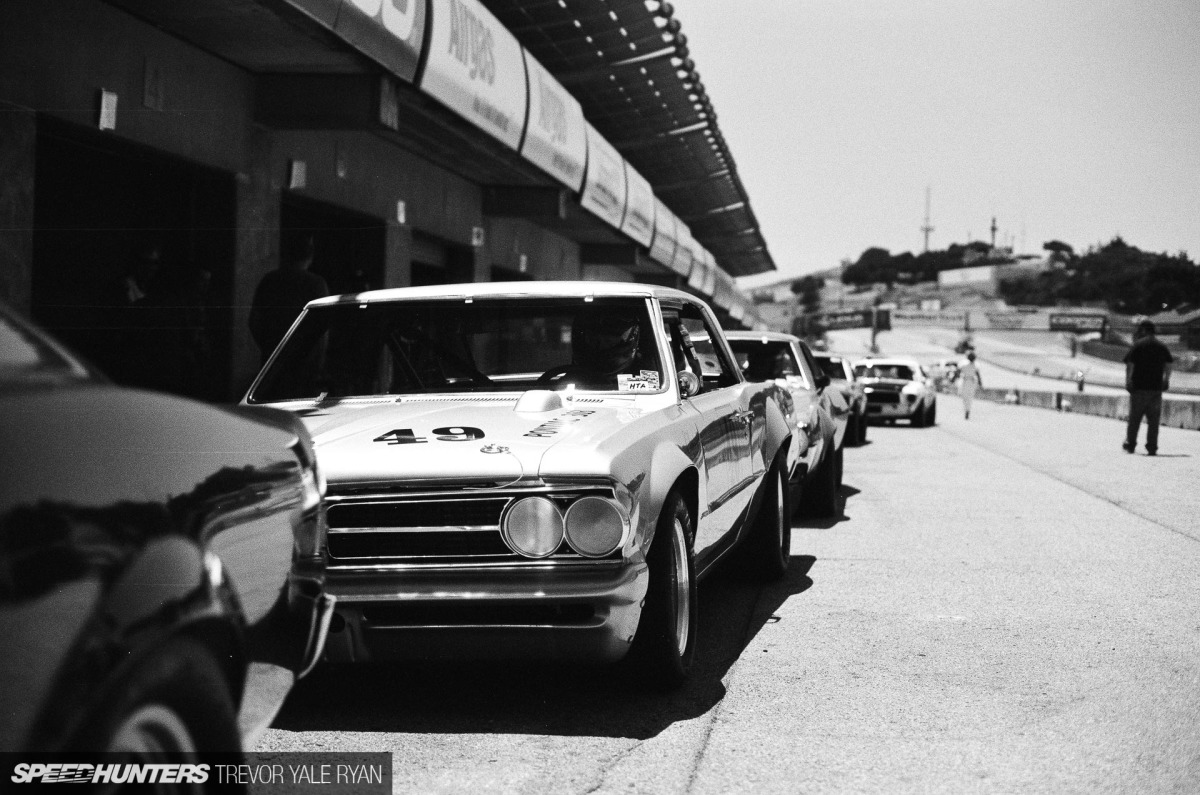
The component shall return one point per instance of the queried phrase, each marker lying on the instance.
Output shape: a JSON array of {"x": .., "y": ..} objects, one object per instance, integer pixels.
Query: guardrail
[{"x": 1176, "y": 413}]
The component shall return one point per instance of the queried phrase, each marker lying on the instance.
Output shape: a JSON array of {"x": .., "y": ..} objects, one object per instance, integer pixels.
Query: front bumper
[{"x": 577, "y": 611}]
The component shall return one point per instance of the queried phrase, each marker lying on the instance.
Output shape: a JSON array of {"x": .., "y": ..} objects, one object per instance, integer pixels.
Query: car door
[{"x": 725, "y": 422}]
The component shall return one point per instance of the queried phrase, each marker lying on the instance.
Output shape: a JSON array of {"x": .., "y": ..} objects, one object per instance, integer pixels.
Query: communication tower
[{"x": 928, "y": 227}]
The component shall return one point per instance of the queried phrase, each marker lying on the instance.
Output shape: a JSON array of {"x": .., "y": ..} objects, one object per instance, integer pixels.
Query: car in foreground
[
  {"x": 160, "y": 562},
  {"x": 898, "y": 388},
  {"x": 819, "y": 411},
  {"x": 841, "y": 374},
  {"x": 532, "y": 470}
]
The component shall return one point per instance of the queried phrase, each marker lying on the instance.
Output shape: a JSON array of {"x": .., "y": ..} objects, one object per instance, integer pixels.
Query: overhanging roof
[{"x": 627, "y": 63}]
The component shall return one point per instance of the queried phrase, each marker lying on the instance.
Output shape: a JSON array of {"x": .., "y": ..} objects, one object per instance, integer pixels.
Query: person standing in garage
[
  {"x": 281, "y": 295},
  {"x": 1147, "y": 376}
]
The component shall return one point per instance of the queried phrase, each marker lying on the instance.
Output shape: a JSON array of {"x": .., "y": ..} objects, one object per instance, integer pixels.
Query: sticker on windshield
[{"x": 645, "y": 381}]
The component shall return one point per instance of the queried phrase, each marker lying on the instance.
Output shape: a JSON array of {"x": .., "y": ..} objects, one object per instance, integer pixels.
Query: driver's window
[{"x": 715, "y": 369}]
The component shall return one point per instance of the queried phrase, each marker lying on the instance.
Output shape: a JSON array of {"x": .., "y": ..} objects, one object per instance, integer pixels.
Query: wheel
[
  {"x": 768, "y": 549},
  {"x": 172, "y": 706},
  {"x": 862, "y": 429},
  {"x": 821, "y": 491},
  {"x": 664, "y": 647},
  {"x": 852, "y": 431},
  {"x": 918, "y": 416},
  {"x": 932, "y": 414}
]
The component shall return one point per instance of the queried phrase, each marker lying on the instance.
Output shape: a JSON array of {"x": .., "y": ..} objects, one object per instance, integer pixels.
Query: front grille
[
  {"x": 883, "y": 397},
  {"x": 382, "y": 528}
]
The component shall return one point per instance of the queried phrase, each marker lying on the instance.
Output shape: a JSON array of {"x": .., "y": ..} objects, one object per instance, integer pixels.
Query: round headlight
[
  {"x": 532, "y": 527},
  {"x": 595, "y": 526}
]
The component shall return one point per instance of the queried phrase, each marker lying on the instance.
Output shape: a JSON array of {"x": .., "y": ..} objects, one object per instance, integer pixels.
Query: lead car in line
[{"x": 532, "y": 470}]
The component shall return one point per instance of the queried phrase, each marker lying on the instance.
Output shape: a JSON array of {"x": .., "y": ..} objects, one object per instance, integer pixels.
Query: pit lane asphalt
[{"x": 1009, "y": 604}]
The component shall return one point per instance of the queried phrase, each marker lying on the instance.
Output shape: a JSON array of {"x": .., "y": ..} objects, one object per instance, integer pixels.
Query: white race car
[
  {"x": 535, "y": 469},
  {"x": 898, "y": 388}
]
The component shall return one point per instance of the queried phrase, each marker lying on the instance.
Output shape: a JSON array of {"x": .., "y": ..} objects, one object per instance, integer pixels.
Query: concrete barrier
[{"x": 1176, "y": 413}]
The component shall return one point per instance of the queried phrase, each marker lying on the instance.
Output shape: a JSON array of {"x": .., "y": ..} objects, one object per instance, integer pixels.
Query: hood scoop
[{"x": 539, "y": 400}]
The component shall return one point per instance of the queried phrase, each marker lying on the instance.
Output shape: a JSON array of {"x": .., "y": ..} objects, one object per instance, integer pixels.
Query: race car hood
[
  {"x": 448, "y": 438},
  {"x": 887, "y": 384}
]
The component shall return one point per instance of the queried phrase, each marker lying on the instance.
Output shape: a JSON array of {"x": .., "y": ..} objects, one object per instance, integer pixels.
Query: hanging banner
[
  {"x": 684, "y": 250},
  {"x": 476, "y": 68},
  {"x": 556, "y": 135},
  {"x": 389, "y": 32},
  {"x": 604, "y": 184},
  {"x": 638, "y": 222},
  {"x": 662, "y": 244}
]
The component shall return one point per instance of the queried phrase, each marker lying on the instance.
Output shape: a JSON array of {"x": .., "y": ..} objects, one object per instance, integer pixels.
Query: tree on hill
[{"x": 1123, "y": 277}]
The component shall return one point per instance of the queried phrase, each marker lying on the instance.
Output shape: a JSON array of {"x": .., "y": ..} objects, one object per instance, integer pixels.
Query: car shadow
[
  {"x": 825, "y": 522},
  {"x": 543, "y": 698}
]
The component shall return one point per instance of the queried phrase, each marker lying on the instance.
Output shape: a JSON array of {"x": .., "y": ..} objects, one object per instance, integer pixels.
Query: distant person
[
  {"x": 281, "y": 295},
  {"x": 1147, "y": 376},
  {"x": 968, "y": 381}
]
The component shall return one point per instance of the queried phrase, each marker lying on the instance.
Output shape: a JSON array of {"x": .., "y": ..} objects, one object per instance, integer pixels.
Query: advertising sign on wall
[
  {"x": 662, "y": 244},
  {"x": 1077, "y": 323},
  {"x": 390, "y": 32},
  {"x": 556, "y": 135},
  {"x": 476, "y": 68},
  {"x": 604, "y": 184},
  {"x": 638, "y": 222}
]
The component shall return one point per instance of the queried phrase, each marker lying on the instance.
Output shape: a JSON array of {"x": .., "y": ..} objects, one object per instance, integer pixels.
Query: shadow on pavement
[{"x": 558, "y": 699}]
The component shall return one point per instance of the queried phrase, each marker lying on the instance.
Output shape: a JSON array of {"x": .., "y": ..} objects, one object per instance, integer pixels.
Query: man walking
[{"x": 1147, "y": 376}]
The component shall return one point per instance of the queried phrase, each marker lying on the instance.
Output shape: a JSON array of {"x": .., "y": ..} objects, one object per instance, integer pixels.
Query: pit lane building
[{"x": 411, "y": 141}]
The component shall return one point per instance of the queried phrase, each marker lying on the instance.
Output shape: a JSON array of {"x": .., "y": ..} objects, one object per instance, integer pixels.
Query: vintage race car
[
  {"x": 161, "y": 582},
  {"x": 898, "y": 388},
  {"x": 841, "y": 373},
  {"x": 536, "y": 469},
  {"x": 819, "y": 411}
]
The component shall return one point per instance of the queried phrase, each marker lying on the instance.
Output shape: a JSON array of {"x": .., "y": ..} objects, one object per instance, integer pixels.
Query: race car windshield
[
  {"x": 897, "y": 372},
  {"x": 480, "y": 345},
  {"x": 832, "y": 367},
  {"x": 766, "y": 360}
]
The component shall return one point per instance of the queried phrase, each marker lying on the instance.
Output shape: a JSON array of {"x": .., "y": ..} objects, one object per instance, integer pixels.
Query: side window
[{"x": 716, "y": 371}]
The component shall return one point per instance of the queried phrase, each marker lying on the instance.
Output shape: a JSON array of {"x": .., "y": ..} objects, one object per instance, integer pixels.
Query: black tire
[
  {"x": 852, "y": 431},
  {"x": 821, "y": 490},
  {"x": 172, "y": 706},
  {"x": 932, "y": 415},
  {"x": 862, "y": 429},
  {"x": 918, "y": 416},
  {"x": 767, "y": 551},
  {"x": 664, "y": 647}
]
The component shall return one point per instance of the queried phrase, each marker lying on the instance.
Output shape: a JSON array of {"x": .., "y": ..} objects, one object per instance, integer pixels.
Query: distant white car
[{"x": 898, "y": 389}]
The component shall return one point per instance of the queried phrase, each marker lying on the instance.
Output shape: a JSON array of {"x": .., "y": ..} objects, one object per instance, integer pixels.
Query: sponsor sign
[
  {"x": 476, "y": 68},
  {"x": 1084, "y": 323},
  {"x": 904, "y": 317},
  {"x": 604, "y": 184},
  {"x": 638, "y": 222},
  {"x": 1006, "y": 320},
  {"x": 684, "y": 250},
  {"x": 390, "y": 32},
  {"x": 850, "y": 318},
  {"x": 556, "y": 135},
  {"x": 662, "y": 244}
]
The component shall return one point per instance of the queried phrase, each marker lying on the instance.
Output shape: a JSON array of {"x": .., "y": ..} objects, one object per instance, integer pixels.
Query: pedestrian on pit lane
[
  {"x": 1147, "y": 376},
  {"x": 968, "y": 381},
  {"x": 281, "y": 295}
]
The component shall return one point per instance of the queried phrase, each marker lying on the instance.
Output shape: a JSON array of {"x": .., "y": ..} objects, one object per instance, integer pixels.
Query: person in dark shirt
[
  {"x": 1147, "y": 376},
  {"x": 281, "y": 295}
]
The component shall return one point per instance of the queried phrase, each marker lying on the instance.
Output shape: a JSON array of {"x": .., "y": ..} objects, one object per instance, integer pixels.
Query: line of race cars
[{"x": 526, "y": 470}]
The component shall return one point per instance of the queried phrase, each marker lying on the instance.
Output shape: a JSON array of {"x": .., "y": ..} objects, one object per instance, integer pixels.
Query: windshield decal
[{"x": 645, "y": 381}]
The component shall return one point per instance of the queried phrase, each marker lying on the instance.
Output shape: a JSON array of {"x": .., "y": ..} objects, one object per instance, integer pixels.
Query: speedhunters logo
[{"x": 116, "y": 773}]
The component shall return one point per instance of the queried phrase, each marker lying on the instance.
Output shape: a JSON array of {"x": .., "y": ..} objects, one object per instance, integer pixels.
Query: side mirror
[
  {"x": 689, "y": 384},
  {"x": 822, "y": 380}
]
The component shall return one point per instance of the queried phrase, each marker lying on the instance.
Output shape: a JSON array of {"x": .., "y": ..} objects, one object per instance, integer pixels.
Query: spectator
[
  {"x": 281, "y": 295},
  {"x": 968, "y": 381},
  {"x": 1147, "y": 376}
]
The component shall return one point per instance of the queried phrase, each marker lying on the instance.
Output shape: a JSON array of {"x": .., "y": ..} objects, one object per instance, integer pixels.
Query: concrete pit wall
[{"x": 1177, "y": 413}]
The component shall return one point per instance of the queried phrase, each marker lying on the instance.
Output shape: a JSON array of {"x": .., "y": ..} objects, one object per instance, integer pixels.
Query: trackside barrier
[{"x": 1176, "y": 413}]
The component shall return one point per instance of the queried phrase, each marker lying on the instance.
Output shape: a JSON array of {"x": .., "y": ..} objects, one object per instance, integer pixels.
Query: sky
[{"x": 1072, "y": 120}]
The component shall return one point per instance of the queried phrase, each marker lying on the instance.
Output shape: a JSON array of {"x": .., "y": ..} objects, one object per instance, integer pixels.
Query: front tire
[
  {"x": 768, "y": 549},
  {"x": 821, "y": 494},
  {"x": 664, "y": 647},
  {"x": 862, "y": 428},
  {"x": 172, "y": 706}
]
